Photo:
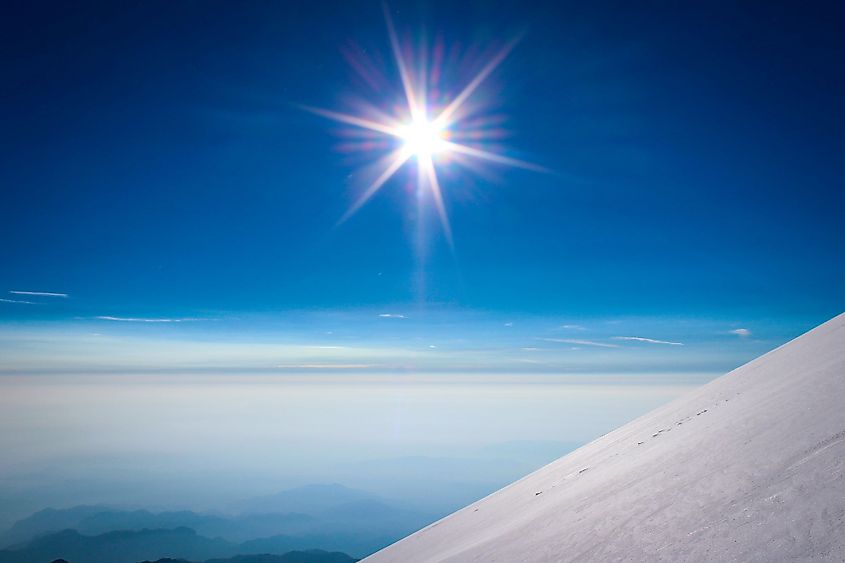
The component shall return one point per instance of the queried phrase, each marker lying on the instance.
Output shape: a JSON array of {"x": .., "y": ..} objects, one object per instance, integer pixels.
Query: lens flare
[
  {"x": 423, "y": 138},
  {"x": 450, "y": 136}
]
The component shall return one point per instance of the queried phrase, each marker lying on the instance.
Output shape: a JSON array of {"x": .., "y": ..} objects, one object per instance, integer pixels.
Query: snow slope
[{"x": 748, "y": 467}]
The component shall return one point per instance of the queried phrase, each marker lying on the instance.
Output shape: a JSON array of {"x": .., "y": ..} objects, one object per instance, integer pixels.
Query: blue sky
[
  {"x": 183, "y": 322},
  {"x": 157, "y": 164}
]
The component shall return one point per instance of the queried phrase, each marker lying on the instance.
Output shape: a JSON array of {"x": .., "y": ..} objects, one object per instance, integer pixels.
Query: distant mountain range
[
  {"x": 329, "y": 517},
  {"x": 308, "y": 499},
  {"x": 180, "y": 544},
  {"x": 312, "y": 556}
]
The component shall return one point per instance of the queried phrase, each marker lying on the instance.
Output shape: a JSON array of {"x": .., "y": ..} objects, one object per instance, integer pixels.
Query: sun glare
[{"x": 423, "y": 138}]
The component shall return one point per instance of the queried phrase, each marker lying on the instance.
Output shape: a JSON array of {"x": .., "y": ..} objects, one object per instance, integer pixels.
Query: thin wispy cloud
[
  {"x": 392, "y": 316},
  {"x": 581, "y": 342},
  {"x": 148, "y": 320},
  {"x": 40, "y": 294},
  {"x": 19, "y": 301},
  {"x": 325, "y": 366},
  {"x": 648, "y": 340},
  {"x": 573, "y": 327},
  {"x": 740, "y": 332}
]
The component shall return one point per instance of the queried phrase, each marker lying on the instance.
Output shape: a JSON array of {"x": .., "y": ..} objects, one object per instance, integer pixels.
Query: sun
[
  {"x": 425, "y": 133},
  {"x": 423, "y": 138}
]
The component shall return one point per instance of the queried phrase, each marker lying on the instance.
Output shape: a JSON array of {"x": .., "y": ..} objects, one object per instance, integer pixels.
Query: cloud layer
[
  {"x": 40, "y": 293},
  {"x": 740, "y": 332},
  {"x": 648, "y": 340},
  {"x": 147, "y": 320},
  {"x": 581, "y": 342},
  {"x": 20, "y": 301}
]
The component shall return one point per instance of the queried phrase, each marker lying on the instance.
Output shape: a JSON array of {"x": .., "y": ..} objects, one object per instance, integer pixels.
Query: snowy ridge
[{"x": 748, "y": 467}]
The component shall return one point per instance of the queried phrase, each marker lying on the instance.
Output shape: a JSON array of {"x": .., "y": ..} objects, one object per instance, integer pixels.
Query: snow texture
[{"x": 750, "y": 467}]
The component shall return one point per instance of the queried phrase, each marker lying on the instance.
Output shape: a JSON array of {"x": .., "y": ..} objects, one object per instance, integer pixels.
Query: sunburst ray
[{"x": 424, "y": 138}]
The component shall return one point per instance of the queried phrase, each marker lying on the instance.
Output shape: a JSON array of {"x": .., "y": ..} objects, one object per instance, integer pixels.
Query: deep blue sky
[
  {"x": 155, "y": 161},
  {"x": 158, "y": 170}
]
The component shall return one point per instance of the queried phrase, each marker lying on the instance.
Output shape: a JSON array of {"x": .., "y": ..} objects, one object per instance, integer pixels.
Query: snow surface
[{"x": 750, "y": 467}]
